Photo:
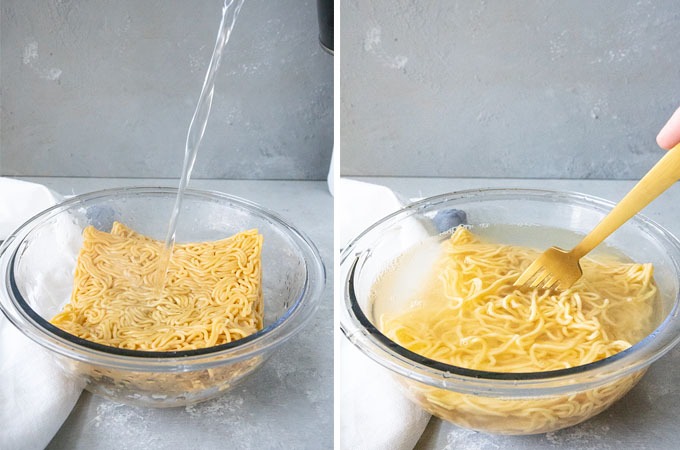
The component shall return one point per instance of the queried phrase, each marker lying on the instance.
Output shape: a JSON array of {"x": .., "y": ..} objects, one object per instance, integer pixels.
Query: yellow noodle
[
  {"x": 470, "y": 315},
  {"x": 212, "y": 293}
]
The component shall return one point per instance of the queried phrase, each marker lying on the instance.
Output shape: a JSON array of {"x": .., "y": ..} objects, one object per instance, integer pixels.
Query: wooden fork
[{"x": 561, "y": 268}]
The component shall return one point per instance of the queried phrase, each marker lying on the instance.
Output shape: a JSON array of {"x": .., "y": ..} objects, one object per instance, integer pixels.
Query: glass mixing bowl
[
  {"x": 37, "y": 264},
  {"x": 509, "y": 403}
]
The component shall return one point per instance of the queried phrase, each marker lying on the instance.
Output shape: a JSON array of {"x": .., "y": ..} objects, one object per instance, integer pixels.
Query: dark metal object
[{"x": 324, "y": 9}]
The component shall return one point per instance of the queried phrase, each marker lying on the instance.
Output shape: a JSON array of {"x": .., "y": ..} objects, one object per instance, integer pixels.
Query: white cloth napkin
[
  {"x": 331, "y": 173},
  {"x": 374, "y": 415},
  {"x": 35, "y": 396}
]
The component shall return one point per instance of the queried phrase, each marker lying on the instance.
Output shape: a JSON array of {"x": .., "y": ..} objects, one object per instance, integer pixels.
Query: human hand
[{"x": 669, "y": 136}]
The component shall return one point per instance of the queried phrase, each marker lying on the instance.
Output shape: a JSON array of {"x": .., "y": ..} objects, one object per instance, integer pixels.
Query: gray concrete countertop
[
  {"x": 646, "y": 418},
  {"x": 286, "y": 404}
]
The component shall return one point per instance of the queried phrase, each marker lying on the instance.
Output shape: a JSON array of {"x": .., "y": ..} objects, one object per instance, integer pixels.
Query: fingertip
[
  {"x": 662, "y": 141},
  {"x": 669, "y": 136}
]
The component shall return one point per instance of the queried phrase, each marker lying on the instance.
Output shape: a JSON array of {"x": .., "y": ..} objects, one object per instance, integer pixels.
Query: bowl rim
[
  {"x": 37, "y": 328},
  {"x": 363, "y": 334}
]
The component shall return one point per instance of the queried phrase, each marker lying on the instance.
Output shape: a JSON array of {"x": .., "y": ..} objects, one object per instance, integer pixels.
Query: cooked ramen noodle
[
  {"x": 212, "y": 292},
  {"x": 470, "y": 315}
]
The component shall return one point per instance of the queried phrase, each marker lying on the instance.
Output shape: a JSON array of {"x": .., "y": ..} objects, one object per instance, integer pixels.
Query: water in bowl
[{"x": 396, "y": 288}]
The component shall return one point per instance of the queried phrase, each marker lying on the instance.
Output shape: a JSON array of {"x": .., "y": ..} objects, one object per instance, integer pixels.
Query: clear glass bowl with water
[
  {"x": 37, "y": 263},
  {"x": 505, "y": 403}
]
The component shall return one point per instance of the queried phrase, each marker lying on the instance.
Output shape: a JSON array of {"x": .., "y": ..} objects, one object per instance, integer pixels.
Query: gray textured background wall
[
  {"x": 107, "y": 88},
  {"x": 567, "y": 89}
]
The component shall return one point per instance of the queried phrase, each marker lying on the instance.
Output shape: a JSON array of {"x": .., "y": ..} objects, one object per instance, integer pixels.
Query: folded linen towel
[
  {"x": 374, "y": 415},
  {"x": 35, "y": 395}
]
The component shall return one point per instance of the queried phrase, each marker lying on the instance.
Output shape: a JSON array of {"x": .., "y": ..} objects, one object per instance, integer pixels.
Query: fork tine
[
  {"x": 545, "y": 282},
  {"x": 539, "y": 279},
  {"x": 550, "y": 282},
  {"x": 529, "y": 272}
]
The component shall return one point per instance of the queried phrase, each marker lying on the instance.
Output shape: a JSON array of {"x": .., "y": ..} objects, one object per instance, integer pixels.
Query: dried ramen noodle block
[{"x": 212, "y": 293}]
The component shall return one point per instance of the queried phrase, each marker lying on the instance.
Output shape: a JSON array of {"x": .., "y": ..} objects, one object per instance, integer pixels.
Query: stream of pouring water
[{"x": 230, "y": 11}]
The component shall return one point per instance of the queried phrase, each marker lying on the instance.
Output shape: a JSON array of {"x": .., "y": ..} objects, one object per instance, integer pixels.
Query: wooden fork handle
[{"x": 657, "y": 180}]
